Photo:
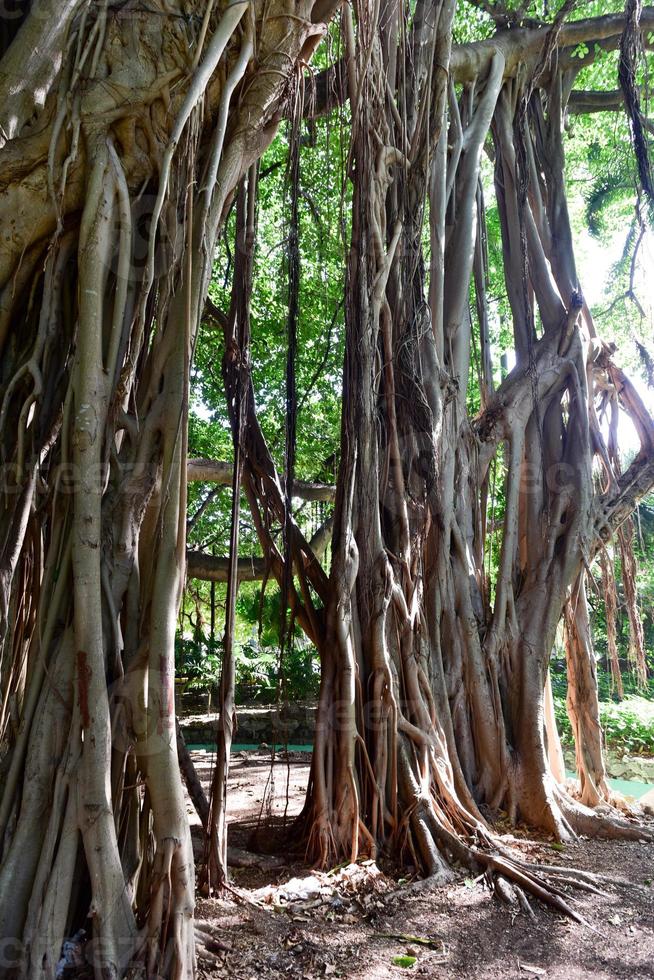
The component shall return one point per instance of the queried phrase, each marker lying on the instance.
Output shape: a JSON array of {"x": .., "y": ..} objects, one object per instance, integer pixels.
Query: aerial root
[
  {"x": 513, "y": 880},
  {"x": 321, "y": 846},
  {"x": 489, "y": 858},
  {"x": 603, "y": 821},
  {"x": 527, "y": 881},
  {"x": 511, "y": 894},
  {"x": 207, "y": 946},
  {"x": 208, "y": 954},
  {"x": 575, "y": 881}
]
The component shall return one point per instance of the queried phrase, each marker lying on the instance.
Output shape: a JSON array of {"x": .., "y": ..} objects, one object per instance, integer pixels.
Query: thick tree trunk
[
  {"x": 125, "y": 136},
  {"x": 432, "y": 710},
  {"x": 583, "y": 709}
]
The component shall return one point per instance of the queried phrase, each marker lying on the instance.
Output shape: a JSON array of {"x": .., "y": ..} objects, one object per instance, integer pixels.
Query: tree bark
[
  {"x": 124, "y": 136},
  {"x": 432, "y": 711}
]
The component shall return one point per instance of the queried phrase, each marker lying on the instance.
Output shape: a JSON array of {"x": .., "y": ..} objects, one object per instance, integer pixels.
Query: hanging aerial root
[
  {"x": 630, "y": 55},
  {"x": 610, "y": 606},
  {"x": 629, "y": 572}
]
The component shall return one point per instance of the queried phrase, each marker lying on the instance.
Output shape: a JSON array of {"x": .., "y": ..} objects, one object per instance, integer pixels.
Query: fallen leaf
[{"x": 404, "y": 961}]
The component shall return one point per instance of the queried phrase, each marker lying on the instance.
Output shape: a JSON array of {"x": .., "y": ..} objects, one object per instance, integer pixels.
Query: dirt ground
[{"x": 286, "y": 921}]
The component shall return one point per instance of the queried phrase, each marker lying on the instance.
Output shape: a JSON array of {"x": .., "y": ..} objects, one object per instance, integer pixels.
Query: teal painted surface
[{"x": 628, "y": 787}]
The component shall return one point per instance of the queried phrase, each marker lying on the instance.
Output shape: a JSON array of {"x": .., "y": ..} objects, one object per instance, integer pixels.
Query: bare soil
[{"x": 357, "y": 921}]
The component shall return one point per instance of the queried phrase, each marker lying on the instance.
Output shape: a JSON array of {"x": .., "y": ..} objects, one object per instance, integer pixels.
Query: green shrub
[
  {"x": 198, "y": 661},
  {"x": 627, "y": 726},
  {"x": 258, "y": 675}
]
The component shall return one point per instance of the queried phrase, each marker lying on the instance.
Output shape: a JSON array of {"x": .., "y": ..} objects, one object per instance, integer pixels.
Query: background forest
[{"x": 615, "y": 253}]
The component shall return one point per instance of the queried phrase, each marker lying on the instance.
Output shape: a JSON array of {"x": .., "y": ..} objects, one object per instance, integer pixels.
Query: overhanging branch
[
  {"x": 581, "y": 102},
  {"x": 586, "y": 102},
  {"x": 253, "y": 568},
  {"x": 635, "y": 483},
  {"x": 622, "y": 499},
  {"x": 220, "y": 472},
  {"x": 520, "y": 46},
  {"x": 208, "y": 568}
]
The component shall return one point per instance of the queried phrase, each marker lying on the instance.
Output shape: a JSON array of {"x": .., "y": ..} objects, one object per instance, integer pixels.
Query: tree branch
[
  {"x": 581, "y": 102},
  {"x": 327, "y": 89},
  {"x": 522, "y": 46},
  {"x": 617, "y": 506},
  {"x": 220, "y": 472},
  {"x": 585, "y": 102},
  {"x": 208, "y": 568},
  {"x": 623, "y": 497},
  {"x": 519, "y": 45}
]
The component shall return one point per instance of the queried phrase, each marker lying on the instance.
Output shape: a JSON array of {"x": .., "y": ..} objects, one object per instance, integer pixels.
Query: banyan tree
[{"x": 128, "y": 132}]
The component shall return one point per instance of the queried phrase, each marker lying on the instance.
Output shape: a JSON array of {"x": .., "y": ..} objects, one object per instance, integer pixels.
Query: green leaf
[
  {"x": 580, "y": 51},
  {"x": 404, "y": 961}
]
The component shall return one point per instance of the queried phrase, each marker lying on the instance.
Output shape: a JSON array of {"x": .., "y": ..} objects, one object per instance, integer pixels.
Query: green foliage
[
  {"x": 605, "y": 190},
  {"x": 260, "y": 680},
  {"x": 258, "y": 677},
  {"x": 198, "y": 662},
  {"x": 627, "y": 727},
  {"x": 320, "y": 327},
  {"x": 580, "y": 51},
  {"x": 404, "y": 961},
  {"x": 261, "y": 677}
]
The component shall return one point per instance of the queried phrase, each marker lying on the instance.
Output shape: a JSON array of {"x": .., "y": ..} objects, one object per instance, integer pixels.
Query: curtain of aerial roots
[
  {"x": 432, "y": 707},
  {"x": 236, "y": 369},
  {"x": 109, "y": 209},
  {"x": 608, "y": 408}
]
